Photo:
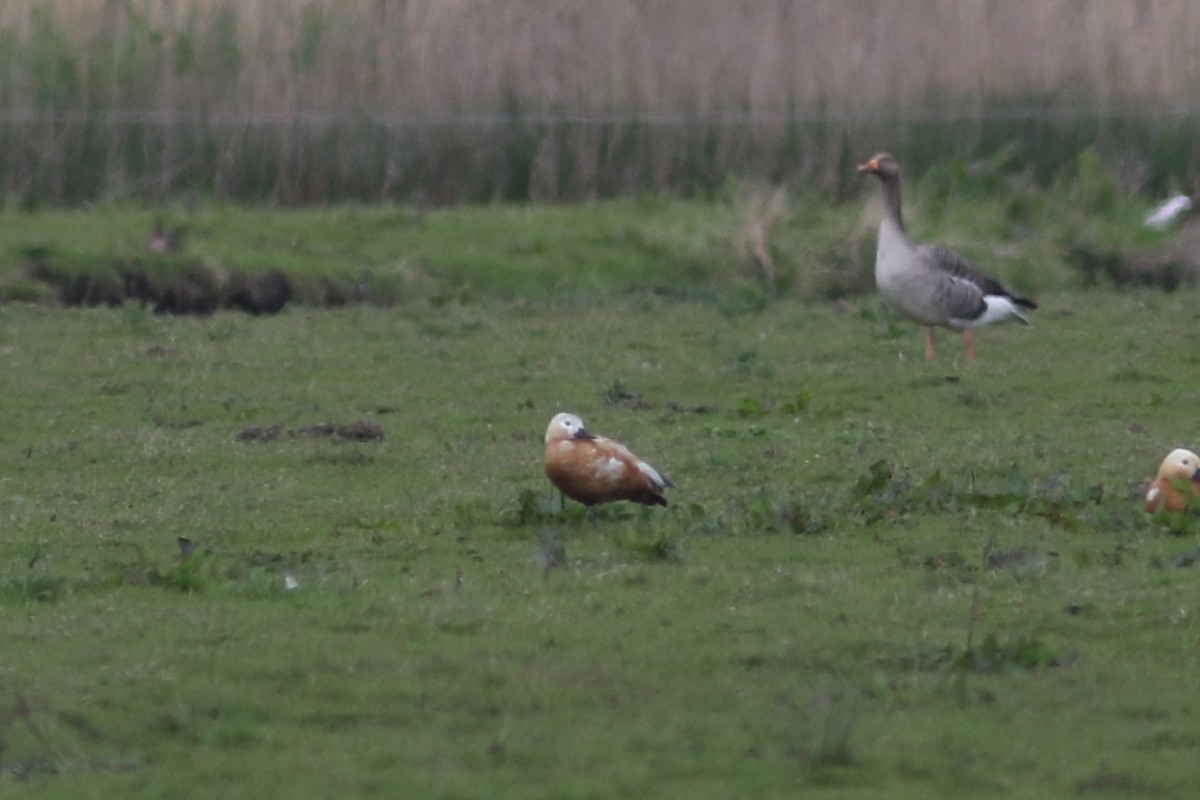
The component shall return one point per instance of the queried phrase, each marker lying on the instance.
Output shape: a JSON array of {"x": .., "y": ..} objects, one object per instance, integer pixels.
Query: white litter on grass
[
  {"x": 1166, "y": 213},
  {"x": 290, "y": 584}
]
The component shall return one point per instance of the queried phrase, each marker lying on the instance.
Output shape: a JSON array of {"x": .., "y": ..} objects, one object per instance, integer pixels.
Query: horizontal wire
[{"x": 669, "y": 119}]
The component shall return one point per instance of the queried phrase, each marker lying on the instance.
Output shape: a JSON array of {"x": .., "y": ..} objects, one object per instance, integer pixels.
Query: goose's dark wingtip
[{"x": 1024, "y": 303}]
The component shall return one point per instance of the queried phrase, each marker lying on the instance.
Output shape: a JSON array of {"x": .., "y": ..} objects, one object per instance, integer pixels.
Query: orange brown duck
[
  {"x": 593, "y": 470},
  {"x": 1177, "y": 484}
]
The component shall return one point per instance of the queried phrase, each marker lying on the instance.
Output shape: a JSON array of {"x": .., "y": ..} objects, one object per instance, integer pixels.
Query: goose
[
  {"x": 1177, "y": 483},
  {"x": 930, "y": 284},
  {"x": 592, "y": 469}
]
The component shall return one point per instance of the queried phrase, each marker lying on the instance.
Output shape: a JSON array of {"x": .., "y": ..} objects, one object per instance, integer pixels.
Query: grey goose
[{"x": 930, "y": 284}]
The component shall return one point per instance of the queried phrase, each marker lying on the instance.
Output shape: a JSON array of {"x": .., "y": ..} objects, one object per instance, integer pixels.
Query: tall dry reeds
[{"x": 450, "y": 100}]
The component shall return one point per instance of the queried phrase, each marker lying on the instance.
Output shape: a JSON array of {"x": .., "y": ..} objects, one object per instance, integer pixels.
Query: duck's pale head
[
  {"x": 1180, "y": 463},
  {"x": 566, "y": 426}
]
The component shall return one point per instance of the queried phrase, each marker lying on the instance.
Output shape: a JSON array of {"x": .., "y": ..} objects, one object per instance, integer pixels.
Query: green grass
[
  {"x": 402, "y": 254},
  {"x": 618, "y": 251},
  {"x": 798, "y": 619},
  {"x": 876, "y": 576}
]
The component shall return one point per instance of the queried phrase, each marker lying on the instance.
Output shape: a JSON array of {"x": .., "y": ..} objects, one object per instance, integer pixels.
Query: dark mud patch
[
  {"x": 1170, "y": 270},
  {"x": 192, "y": 288},
  {"x": 358, "y": 431}
]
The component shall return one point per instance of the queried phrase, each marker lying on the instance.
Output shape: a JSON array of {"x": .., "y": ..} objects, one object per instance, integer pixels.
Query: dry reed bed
[{"x": 445, "y": 100}]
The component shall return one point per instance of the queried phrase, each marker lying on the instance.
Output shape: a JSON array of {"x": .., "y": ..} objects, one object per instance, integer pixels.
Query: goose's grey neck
[{"x": 891, "y": 199}]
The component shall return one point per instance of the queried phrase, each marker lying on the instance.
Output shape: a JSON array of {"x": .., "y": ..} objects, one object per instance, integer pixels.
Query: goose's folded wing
[
  {"x": 943, "y": 259},
  {"x": 953, "y": 292}
]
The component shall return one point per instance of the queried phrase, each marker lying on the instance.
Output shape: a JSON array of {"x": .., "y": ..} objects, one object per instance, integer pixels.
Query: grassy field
[{"x": 876, "y": 575}]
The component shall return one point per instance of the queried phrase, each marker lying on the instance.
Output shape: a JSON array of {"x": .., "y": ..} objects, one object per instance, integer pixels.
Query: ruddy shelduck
[
  {"x": 593, "y": 470},
  {"x": 1177, "y": 484}
]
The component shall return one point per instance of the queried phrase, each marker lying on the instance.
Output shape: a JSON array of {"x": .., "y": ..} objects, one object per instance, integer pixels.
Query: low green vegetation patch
[
  {"x": 377, "y": 256},
  {"x": 747, "y": 246}
]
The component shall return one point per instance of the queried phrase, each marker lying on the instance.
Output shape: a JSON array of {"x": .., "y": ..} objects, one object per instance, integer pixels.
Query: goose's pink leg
[
  {"x": 969, "y": 341},
  {"x": 930, "y": 347}
]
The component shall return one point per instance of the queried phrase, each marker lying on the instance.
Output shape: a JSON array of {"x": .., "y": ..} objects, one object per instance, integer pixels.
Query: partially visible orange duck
[
  {"x": 1177, "y": 484},
  {"x": 593, "y": 470}
]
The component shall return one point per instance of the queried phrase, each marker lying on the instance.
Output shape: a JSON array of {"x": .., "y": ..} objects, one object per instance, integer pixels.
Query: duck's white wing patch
[
  {"x": 1152, "y": 495},
  {"x": 611, "y": 469},
  {"x": 655, "y": 477}
]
